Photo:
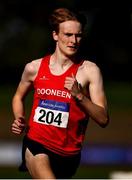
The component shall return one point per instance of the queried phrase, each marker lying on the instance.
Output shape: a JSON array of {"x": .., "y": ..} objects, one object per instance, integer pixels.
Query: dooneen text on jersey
[{"x": 54, "y": 92}]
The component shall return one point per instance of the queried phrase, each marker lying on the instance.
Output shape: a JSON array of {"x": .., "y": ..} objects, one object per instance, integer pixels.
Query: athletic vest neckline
[{"x": 46, "y": 61}]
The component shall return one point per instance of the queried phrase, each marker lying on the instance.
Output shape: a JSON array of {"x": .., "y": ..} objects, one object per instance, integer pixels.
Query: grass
[
  {"x": 83, "y": 172},
  {"x": 13, "y": 173}
]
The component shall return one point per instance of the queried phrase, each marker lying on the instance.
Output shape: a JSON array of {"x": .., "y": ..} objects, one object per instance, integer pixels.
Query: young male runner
[{"x": 67, "y": 91}]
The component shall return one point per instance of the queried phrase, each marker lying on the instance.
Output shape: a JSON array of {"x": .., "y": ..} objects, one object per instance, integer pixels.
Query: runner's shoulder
[
  {"x": 33, "y": 66},
  {"x": 89, "y": 66}
]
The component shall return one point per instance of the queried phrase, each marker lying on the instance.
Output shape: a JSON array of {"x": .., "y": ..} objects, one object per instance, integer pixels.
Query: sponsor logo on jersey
[{"x": 44, "y": 78}]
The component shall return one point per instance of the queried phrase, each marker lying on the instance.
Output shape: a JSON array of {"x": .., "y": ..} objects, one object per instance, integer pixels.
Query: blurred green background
[{"x": 25, "y": 35}]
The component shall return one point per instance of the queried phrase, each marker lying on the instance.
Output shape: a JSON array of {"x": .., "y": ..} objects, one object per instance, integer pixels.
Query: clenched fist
[
  {"x": 72, "y": 85},
  {"x": 18, "y": 126}
]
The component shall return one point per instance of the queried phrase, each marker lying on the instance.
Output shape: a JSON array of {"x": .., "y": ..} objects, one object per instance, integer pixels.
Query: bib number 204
[{"x": 49, "y": 117}]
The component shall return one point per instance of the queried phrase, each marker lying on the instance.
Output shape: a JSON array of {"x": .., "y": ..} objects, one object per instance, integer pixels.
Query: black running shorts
[{"x": 64, "y": 167}]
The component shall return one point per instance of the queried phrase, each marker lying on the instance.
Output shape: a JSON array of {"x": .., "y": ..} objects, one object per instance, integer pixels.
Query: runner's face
[{"x": 69, "y": 37}]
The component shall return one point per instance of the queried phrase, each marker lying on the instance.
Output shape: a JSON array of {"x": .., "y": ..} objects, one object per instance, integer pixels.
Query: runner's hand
[
  {"x": 72, "y": 85},
  {"x": 18, "y": 126}
]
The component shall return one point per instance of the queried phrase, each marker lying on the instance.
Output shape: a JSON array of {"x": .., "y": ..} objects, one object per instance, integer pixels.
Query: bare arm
[
  {"x": 18, "y": 99},
  {"x": 96, "y": 105}
]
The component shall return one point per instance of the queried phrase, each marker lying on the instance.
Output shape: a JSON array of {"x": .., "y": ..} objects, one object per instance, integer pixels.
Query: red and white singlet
[{"x": 56, "y": 121}]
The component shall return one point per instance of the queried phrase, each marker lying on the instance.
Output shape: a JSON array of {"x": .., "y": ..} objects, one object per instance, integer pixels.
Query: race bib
[{"x": 51, "y": 112}]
